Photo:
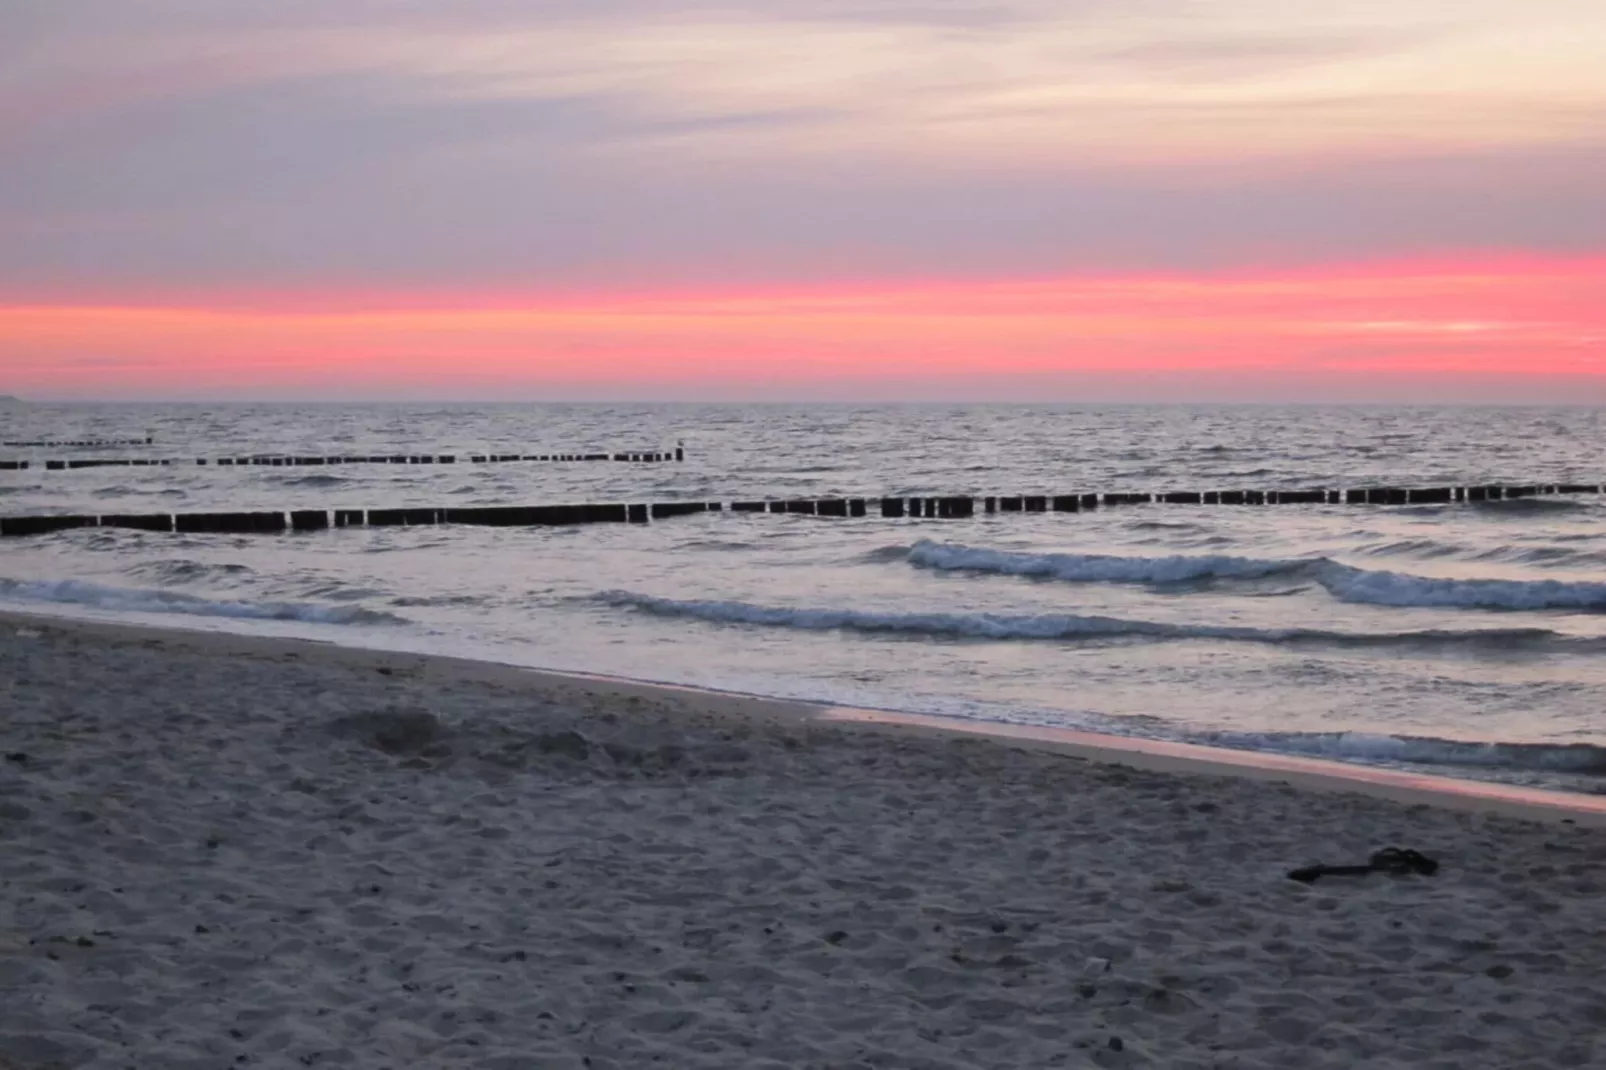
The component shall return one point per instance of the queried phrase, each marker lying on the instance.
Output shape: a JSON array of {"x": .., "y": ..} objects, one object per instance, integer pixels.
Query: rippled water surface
[{"x": 1469, "y": 637}]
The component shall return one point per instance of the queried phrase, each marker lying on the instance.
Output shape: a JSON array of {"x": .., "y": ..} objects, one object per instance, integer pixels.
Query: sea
[{"x": 1466, "y": 639}]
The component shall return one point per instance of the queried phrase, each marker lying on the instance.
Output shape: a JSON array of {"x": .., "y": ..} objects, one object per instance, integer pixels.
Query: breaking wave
[
  {"x": 1344, "y": 582},
  {"x": 1046, "y": 626},
  {"x": 1094, "y": 568},
  {"x": 1583, "y": 759},
  {"x": 1401, "y": 589},
  {"x": 147, "y": 600}
]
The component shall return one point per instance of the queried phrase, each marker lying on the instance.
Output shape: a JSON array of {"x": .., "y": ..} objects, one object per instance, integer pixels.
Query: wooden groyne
[
  {"x": 946, "y": 507},
  {"x": 92, "y": 443},
  {"x": 289, "y": 461}
]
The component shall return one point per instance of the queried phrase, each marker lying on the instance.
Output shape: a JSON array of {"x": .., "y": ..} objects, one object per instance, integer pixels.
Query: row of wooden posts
[
  {"x": 276, "y": 461},
  {"x": 98, "y": 443},
  {"x": 944, "y": 507}
]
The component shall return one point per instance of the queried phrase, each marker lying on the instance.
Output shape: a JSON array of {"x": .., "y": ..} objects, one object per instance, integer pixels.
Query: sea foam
[
  {"x": 1096, "y": 568},
  {"x": 1040, "y": 626},
  {"x": 1584, "y": 759},
  {"x": 1376, "y": 587},
  {"x": 147, "y": 600},
  {"x": 1347, "y": 583}
]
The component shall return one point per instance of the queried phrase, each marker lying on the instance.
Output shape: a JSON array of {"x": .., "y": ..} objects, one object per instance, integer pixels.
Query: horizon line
[{"x": 925, "y": 403}]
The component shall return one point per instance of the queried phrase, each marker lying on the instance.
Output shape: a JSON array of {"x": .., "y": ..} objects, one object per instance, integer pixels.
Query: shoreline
[{"x": 1161, "y": 756}]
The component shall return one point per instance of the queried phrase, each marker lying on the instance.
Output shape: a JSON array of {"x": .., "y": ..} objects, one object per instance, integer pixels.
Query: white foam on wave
[
  {"x": 1578, "y": 758},
  {"x": 1062, "y": 626},
  {"x": 1097, "y": 568},
  {"x": 1380, "y": 588},
  {"x": 148, "y": 600},
  {"x": 954, "y": 625},
  {"x": 1344, "y": 582}
]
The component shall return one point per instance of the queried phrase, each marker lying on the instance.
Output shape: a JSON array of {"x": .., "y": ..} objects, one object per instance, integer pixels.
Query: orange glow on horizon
[{"x": 1501, "y": 316}]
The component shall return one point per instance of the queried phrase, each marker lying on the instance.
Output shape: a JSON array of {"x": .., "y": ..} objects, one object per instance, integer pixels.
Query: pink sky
[{"x": 1161, "y": 200}]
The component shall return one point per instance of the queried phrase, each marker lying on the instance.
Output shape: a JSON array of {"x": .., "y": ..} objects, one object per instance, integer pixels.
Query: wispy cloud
[{"x": 1056, "y": 82}]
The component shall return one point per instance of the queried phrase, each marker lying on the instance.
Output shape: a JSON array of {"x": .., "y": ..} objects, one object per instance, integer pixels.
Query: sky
[{"x": 926, "y": 200}]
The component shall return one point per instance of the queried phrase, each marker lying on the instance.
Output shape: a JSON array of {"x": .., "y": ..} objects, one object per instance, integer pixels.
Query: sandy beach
[{"x": 219, "y": 851}]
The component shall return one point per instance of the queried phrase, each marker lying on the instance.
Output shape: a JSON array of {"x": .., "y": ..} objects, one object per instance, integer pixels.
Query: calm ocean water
[{"x": 1463, "y": 638}]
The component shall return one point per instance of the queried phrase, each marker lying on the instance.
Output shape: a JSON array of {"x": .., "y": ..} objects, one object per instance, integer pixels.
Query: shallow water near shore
[{"x": 1468, "y": 639}]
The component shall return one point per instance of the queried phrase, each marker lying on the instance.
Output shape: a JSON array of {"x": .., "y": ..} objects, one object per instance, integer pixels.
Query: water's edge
[{"x": 1151, "y": 754}]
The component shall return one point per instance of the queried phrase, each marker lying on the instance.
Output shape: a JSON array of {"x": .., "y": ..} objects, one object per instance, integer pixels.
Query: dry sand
[{"x": 221, "y": 851}]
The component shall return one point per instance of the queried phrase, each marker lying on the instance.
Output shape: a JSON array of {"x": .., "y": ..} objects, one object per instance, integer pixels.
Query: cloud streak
[{"x": 899, "y": 81}]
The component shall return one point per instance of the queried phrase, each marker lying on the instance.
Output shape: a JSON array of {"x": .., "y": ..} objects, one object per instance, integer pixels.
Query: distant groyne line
[
  {"x": 92, "y": 443},
  {"x": 291, "y": 461},
  {"x": 947, "y": 507}
]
